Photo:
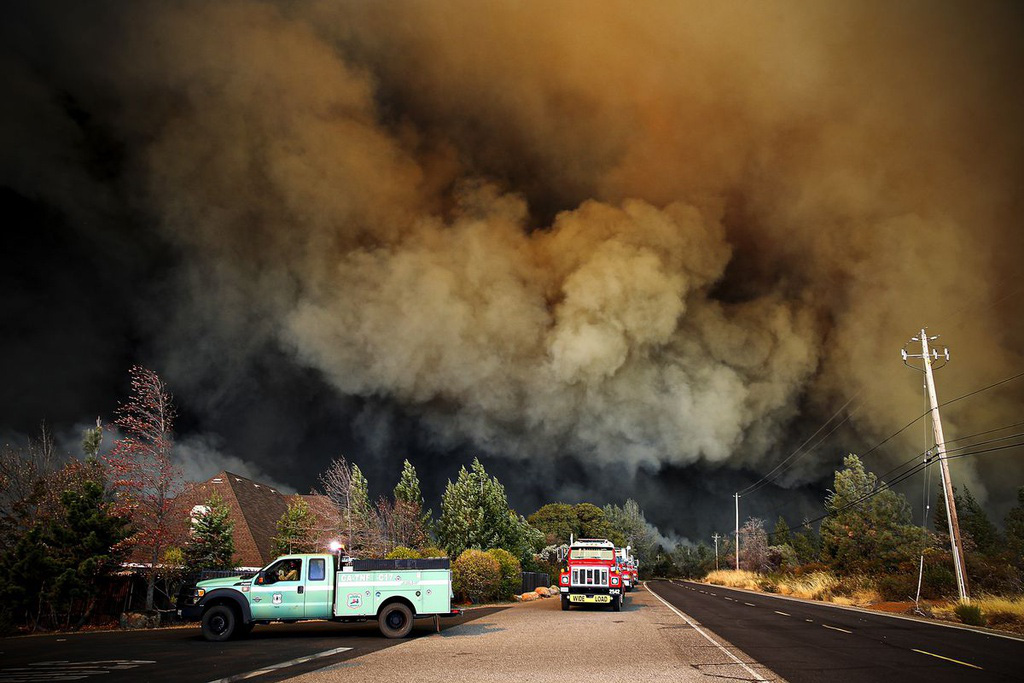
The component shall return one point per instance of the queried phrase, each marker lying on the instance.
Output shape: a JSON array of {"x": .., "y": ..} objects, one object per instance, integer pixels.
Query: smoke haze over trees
[{"x": 653, "y": 250}]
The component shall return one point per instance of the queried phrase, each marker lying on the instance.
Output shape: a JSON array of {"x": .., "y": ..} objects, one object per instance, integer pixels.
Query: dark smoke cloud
[{"x": 653, "y": 247}]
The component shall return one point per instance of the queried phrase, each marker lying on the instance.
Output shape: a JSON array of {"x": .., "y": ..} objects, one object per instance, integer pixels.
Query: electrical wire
[{"x": 766, "y": 479}]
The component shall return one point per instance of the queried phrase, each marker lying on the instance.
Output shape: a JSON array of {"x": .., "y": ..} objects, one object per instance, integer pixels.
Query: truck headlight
[
  {"x": 200, "y": 592},
  {"x": 565, "y": 579},
  {"x": 615, "y": 581}
]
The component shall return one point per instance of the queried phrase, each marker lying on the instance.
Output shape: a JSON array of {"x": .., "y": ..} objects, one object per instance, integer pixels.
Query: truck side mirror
[{"x": 259, "y": 579}]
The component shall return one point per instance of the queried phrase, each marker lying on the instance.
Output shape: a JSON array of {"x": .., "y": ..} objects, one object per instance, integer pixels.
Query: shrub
[
  {"x": 432, "y": 551},
  {"x": 897, "y": 587},
  {"x": 511, "y": 573},
  {"x": 969, "y": 614},
  {"x": 937, "y": 582},
  {"x": 476, "y": 576},
  {"x": 403, "y": 553}
]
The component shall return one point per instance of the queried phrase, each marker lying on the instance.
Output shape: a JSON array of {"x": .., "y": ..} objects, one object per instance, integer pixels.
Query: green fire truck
[{"x": 324, "y": 587}]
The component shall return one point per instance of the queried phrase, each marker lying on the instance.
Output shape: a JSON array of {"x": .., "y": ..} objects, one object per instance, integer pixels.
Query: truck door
[
  {"x": 319, "y": 596},
  {"x": 279, "y": 593}
]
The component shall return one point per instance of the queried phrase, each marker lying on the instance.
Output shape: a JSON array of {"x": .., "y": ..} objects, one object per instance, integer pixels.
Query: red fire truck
[
  {"x": 592, "y": 575},
  {"x": 627, "y": 569}
]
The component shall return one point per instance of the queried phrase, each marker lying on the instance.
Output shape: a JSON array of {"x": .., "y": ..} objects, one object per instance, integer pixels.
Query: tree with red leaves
[{"x": 144, "y": 477}]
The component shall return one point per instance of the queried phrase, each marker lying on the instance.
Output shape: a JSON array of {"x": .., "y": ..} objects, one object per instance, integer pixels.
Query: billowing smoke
[{"x": 670, "y": 236}]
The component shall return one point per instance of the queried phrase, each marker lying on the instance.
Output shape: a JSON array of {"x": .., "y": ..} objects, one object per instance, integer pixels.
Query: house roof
[{"x": 255, "y": 509}]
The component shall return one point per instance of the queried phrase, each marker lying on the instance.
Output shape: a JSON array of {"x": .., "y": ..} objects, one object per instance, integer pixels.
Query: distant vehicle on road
[
  {"x": 592, "y": 574},
  {"x": 321, "y": 586},
  {"x": 627, "y": 567}
]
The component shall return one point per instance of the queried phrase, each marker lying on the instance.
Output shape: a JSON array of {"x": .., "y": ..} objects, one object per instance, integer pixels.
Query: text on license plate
[{"x": 590, "y": 598}]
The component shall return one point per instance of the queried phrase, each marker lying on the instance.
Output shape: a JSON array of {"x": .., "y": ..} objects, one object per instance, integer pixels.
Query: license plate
[{"x": 590, "y": 598}]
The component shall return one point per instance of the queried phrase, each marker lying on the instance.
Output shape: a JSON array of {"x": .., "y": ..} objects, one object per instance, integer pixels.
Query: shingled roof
[{"x": 255, "y": 509}]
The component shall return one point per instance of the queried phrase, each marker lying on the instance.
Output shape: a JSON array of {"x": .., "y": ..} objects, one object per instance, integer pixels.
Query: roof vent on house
[
  {"x": 273, "y": 491},
  {"x": 256, "y": 485},
  {"x": 218, "y": 480},
  {"x": 238, "y": 480}
]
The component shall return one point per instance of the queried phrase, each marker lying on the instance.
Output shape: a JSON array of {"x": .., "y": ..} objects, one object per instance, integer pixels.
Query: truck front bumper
[{"x": 579, "y": 594}]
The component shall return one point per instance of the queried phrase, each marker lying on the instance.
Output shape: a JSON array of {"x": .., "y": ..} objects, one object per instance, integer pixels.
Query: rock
[
  {"x": 542, "y": 591},
  {"x": 134, "y": 620},
  {"x": 517, "y": 598},
  {"x": 529, "y": 597}
]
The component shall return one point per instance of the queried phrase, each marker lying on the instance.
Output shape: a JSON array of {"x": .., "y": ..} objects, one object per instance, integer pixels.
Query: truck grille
[{"x": 590, "y": 576}]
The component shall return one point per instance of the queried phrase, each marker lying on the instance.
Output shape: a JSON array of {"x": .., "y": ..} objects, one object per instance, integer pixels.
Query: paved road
[
  {"x": 181, "y": 655},
  {"x": 807, "y": 643},
  {"x": 644, "y": 643}
]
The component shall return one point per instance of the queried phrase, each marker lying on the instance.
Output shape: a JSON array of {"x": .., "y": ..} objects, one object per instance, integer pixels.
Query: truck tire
[
  {"x": 565, "y": 604},
  {"x": 219, "y": 623},
  {"x": 617, "y": 603},
  {"x": 395, "y": 620}
]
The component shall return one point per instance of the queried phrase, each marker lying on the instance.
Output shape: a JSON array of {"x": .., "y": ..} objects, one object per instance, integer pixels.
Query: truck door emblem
[
  {"x": 257, "y": 599},
  {"x": 355, "y": 600},
  {"x": 277, "y": 598}
]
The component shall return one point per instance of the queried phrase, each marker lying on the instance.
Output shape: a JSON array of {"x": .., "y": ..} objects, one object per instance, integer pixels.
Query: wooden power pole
[{"x": 928, "y": 356}]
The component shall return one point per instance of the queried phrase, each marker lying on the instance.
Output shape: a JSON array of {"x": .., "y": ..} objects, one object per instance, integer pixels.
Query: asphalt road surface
[
  {"x": 806, "y": 643},
  {"x": 271, "y": 653}
]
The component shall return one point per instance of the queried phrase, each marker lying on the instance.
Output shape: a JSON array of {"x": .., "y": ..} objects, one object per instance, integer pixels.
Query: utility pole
[
  {"x": 928, "y": 356},
  {"x": 737, "y": 496},
  {"x": 716, "y": 536}
]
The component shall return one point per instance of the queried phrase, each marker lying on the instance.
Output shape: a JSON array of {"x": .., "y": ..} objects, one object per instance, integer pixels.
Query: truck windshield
[{"x": 591, "y": 553}]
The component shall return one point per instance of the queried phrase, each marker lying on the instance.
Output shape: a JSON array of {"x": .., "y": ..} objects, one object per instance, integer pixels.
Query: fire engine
[
  {"x": 592, "y": 574},
  {"x": 627, "y": 569}
]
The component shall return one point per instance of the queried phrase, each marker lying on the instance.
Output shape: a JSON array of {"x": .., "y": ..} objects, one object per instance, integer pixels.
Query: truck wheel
[
  {"x": 395, "y": 620},
  {"x": 565, "y": 604},
  {"x": 617, "y": 603},
  {"x": 219, "y": 623}
]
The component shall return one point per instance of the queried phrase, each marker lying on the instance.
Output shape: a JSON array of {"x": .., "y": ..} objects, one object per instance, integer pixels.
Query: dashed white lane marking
[
  {"x": 948, "y": 659},
  {"x": 782, "y": 613},
  {"x": 282, "y": 665},
  {"x": 809, "y": 621},
  {"x": 836, "y": 628},
  {"x": 750, "y": 604},
  {"x": 711, "y": 640},
  {"x": 64, "y": 670}
]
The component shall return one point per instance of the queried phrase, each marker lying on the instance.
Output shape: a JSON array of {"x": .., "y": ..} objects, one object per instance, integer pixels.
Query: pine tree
[
  {"x": 780, "y": 534},
  {"x": 91, "y": 440},
  {"x": 475, "y": 514},
  {"x": 212, "y": 543},
  {"x": 869, "y": 528},
  {"x": 630, "y": 527},
  {"x": 1014, "y": 523},
  {"x": 296, "y": 530},
  {"x": 409, "y": 523}
]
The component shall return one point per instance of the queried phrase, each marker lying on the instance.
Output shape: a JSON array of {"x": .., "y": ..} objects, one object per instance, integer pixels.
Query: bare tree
[{"x": 145, "y": 478}]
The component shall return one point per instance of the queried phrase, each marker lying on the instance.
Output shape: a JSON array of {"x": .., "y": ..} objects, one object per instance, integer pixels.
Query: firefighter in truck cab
[{"x": 592, "y": 575}]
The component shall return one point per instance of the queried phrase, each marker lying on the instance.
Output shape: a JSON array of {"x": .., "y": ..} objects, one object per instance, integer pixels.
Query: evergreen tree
[
  {"x": 591, "y": 522},
  {"x": 91, "y": 440},
  {"x": 976, "y": 528},
  {"x": 781, "y": 534},
  {"x": 296, "y": 530},
  {"x": 212, "y": 543},
  {"x": 806, "y": 545},
  {"x": 410, "y": 524},
  {"x": 556, "y": 521},
  {"x": 475, "y": 514},
  {"x": 869, "y": 528},
  {"x": 1015, "y": 529},
  {"x": 630, "y": 527}
]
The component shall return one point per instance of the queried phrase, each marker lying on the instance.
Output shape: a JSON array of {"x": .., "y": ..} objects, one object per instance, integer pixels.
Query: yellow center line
[
  {"x": 836, "y": 628},
  {"x": 948, "y": 659}
]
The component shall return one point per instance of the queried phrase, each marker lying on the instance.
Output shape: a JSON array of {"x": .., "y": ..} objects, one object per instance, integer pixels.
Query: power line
[{"x": 764, "y": 480}]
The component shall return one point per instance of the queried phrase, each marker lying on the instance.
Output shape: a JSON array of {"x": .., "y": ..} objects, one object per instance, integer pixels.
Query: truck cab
[
  {"x": 320, "y": 586},
  {"x": 592, "y": 575}
]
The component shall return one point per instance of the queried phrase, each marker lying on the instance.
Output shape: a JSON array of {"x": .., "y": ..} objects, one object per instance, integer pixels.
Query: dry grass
[
  {"x": 814, "y": 586},
  {"x": 997, "y": 611},
  {"x": 730, "y": 578}
]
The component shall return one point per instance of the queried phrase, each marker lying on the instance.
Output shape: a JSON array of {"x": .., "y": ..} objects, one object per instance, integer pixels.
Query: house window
[{"x": 317, "y": 570}]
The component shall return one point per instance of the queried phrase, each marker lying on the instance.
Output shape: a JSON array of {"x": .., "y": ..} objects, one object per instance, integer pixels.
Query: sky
[{"x": 615, "y": 251}]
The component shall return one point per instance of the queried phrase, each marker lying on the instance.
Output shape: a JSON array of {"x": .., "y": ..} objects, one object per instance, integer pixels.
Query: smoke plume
[{"x": 674, "y": 237}]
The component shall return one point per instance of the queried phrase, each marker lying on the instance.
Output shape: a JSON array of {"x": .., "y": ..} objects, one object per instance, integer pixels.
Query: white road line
[
  {"x": 750, "y": 604},
  {"x": 809, "y": 621},
  {"x": 282, "y": 665},
  {"x": 948, "y": 659},
  {"x": 836, "y": 628},
  {"x": 782, "y": 613},
  {"x": 711, "y": 640}
]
